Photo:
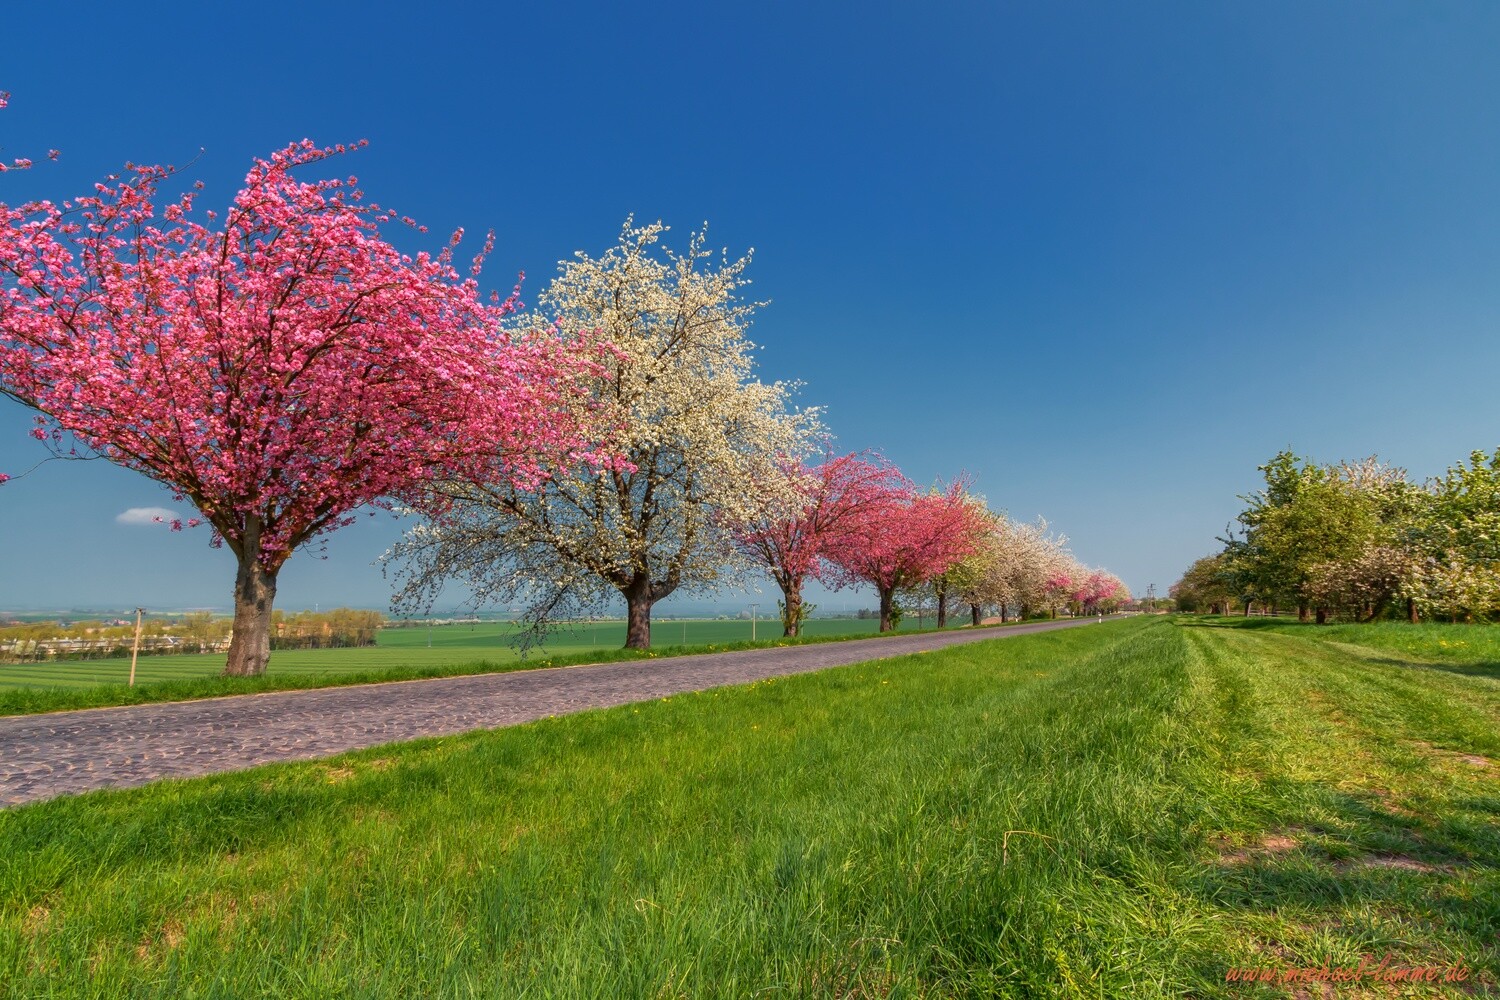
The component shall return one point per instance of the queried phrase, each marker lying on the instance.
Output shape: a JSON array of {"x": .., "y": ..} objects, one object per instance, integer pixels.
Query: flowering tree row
[
  {"x": 1358, "y": 541},
  {"x": 698, "y": 447},
  {"x": 1021, "y": 569},
  {"x": 281, "y": 364},
  {"x": 862, "y": 522}
]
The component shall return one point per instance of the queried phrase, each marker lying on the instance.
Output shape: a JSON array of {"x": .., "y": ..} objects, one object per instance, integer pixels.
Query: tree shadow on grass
[
  {"x": 1237, "y": 622},
  {"x": 1479, "y": 668},
  {"x": 1366, "y": 875}
]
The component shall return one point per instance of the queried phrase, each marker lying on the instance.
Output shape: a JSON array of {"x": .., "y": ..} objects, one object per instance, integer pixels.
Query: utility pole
[
  {"x": 136, "y": 649},
  {"x": 1151, "y": 597}
]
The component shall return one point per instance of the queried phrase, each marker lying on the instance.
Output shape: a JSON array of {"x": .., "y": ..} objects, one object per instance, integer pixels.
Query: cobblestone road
[{"x": 61, "y": 753}]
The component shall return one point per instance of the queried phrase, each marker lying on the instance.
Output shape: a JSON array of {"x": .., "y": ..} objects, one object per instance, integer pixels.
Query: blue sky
[{"x": 1106, "y": 258}]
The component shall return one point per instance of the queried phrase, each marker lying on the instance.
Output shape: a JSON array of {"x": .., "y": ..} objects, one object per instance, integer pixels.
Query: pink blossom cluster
[
  {"x": 844, "y": 496},
  {"x": 1086, "y": 589},
  {"x": 862, "y": 521},
  {"x": 278, "y": 367},
  {"x": 910, "y": 541}
]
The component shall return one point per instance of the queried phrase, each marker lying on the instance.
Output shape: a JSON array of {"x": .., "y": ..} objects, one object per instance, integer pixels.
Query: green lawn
[{"x": 1123, "y": 811}]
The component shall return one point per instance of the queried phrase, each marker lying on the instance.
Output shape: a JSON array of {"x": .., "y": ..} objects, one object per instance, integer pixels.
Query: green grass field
[
  {"x": 1131, "y": 810},
  {"x": 1459, "y": 645},
  {"x": 400, "y": 654},
  {"x": 409, "y": 647}
]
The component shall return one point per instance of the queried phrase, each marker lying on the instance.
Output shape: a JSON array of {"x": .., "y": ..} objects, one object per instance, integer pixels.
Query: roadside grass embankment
[
  {"x": 401, "y": 654},
  {"x": 1128, "y": 810}
]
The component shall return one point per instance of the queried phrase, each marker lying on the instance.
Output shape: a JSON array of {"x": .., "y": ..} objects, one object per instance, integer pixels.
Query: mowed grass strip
[
  {"x": 1473, "y": 649},
  {"x": 1126, "y": 810}
]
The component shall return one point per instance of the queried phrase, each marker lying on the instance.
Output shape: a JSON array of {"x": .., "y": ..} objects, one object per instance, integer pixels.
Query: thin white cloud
[{"x": 145, "y": 515}]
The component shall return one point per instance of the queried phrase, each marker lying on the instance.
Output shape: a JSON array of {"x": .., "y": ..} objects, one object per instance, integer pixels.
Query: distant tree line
[
  {"x": 338, "y": 628},
  {"x": 1359, "y": 541},
  {"x": 198, "y": 632},
  {"x": 93, "y": 639}
]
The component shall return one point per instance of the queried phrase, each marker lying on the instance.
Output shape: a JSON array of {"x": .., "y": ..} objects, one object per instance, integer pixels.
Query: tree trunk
[
  {"x": 791, "y": 614},
  {"x": 638, "y": 623},
  {"x": 887, "y": 598},
  {"x": 976, "y": 613},
  {"x": 1322, "y": 618},
  {"x": 1003, "y": 609},
  {"x": 254, "y": 591},
  {"x": 1247, "y": 609},
  {"x": 942, "y": 609},
  {"x": 1302, "y": 611},
  {"x": 638, "y": 614},
  {"x": 1411, "y": 611}
]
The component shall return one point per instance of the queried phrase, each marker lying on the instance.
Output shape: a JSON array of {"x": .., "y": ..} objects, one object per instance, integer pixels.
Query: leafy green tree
[
  {"x": 1307, "y": 519},
  {"x": 1457, "y": 535},
  {"x": 1205, "y": 586},
  {"x": 1466, "y": 509}
]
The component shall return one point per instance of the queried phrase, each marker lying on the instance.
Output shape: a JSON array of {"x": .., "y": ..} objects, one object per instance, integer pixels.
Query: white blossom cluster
[
  {"x": 1013, "y": 567},
  {"x": 702, "y": 442}
]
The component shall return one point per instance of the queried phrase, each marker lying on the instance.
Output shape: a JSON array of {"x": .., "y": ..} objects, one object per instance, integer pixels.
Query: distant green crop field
[{"x": 415, "y": 647}]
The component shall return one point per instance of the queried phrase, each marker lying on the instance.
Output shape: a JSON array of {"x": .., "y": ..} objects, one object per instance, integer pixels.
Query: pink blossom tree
[
  {"x": 1084, "y": 591},
  {"x": 842, "y": 497},
  {"x": 977, "y": 524},
  {"x": 906, "y": 544},
  {"x": 1065, "y": 583},
  {"x": 1098, "y": 592},
  {"x": 279, "y": 368}
]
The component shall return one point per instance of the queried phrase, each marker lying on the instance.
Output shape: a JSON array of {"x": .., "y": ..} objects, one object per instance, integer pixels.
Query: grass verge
[{"x": 1470, "y": 648}]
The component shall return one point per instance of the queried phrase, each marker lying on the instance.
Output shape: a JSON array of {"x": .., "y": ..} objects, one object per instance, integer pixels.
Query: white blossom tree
[
  {"x": 702, "y": 443},
  {"x": 978, "y": 580},
  {"x": 1455, "y": 588},
  {"x": 1359, "y": 588},
  {"x": 1011, "y": 568}
]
